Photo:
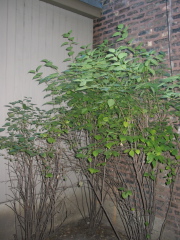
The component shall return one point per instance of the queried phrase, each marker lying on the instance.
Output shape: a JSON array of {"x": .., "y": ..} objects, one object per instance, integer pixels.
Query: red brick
[{"x": 147, "y": 22}]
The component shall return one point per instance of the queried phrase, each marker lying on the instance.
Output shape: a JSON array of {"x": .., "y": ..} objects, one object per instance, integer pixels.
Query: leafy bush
[
  {"x": 36, "y": 171},
  {"x": 114, "y": 110}
]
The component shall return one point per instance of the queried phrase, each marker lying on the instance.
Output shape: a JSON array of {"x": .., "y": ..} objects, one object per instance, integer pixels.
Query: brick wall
[{"x": 156, "y": 23}]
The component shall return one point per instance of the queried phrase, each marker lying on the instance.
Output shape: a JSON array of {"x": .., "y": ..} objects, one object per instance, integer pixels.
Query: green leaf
[
  {"x": 37, "y": 69},
  {"x": 154, "y": 61},
  {"x": 153, "y": 132},
  {"x": 111, "y": 102},
  {"x": 115, "y": 153},
  {"x": 80, "y": 155},
  {"x": 38, "y": 75},
  {"x": 152, "y": 71},
  {"x": 69, "y": 48},
  {"x": 8, "y": 123},
  {"x": 95, "y": 153},
  {"x": 51, "y": 140},
  {"x": 109, "y": 55},
  {"x": 105, "y": 119},
  {"x": 98, "y": 137},
  {"x": 65, "y": 43},
  {"x": 2, "y": 129},
  {"x": 67, "y": 59},
  {"x": 66, "y": 35},
  {"x": 154, "y": 163},
  {"x": 112, "y": 50},
  {"x": 25, "y": 107},
  {"x": 71, "y": 38},
  {"x": 89, "y": 159},
  {"x": 129, "y": 192},
  {"x": 101, "y": 164},
  {"x": 152, "y": 177},
  {"x": 148, "y": 236},
  {"x": 120, "y": 68},
  {"x": 150, "y": 157},
  {"x": 168, "y": 167},
  {"x": 116, "y": 34},
  {"x": 43, "y": 155},
  {"x": 49, "y": 175},
  {"x": 125, "y": 35},
  {"x": 122, "y": 55},
  {"x": 132, "y": 153},
  {"x": 174, "y": 152},
  {"x": 137, "y": 151},
  {"x": 146, "y": 174},
  {"x": 31, "y": 138},
  {"x": 146, "y": 223},
  {"x": 70, "y": 53},
  {"x": 119, "y": 39},
  {"x": 32, "y": 71},
  {"x": 126, "y": 124},
  {"x": 109, "y": 145},
  {"x": 51, "y": 154},
  {"x": 30, "y": 153},
  {"x": 53, "y": 67},
  {"x": 44, "y": 135},
  {"x": 108, "y": 154},
  {"x": 120, "y": 26},
  {"x": 93, "y": 170},
  {"x": 126, "y": 194},
  {"x": 84, "y": 110},
  {"x": 21, "y": 139},
  {"x": 45, "y": 60},
  {"x": 53, "y": 75},
  {"x": 147, "y": 63}
]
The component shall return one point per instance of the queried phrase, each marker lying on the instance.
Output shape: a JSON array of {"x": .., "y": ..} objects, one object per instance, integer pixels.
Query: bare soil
[{"x": 82, "y": 231}]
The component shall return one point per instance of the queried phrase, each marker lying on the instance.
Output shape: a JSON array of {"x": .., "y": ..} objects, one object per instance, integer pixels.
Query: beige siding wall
[{"x": 31, "y": 30}]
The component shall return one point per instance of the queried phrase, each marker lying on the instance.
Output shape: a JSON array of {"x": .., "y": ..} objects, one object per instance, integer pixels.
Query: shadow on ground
[{"x": 81, "y": 231}]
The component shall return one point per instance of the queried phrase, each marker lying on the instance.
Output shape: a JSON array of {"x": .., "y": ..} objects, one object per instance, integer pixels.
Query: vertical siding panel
[
  {"x": 49, "y": 30},
  {"x": 3, "y": 50},
  {"x": 3, "y": 66},
  {"x": 27, "y": 53},
  {"x": 42, "y": 30},
  {"x": 11, "y": 30},
  {"x": 42, "y": 36},
  {"x": 30, "y": 31},
  {"x": 63, "y": 18},
  {"x": 57, "y": 27},
  {"x": 35, "y": 32},
  {"x": 37, "y": 45},
  {"x": 8, "y": 94},
  {"x": 72, "y": 25},
  {"x": 19, "y": 41}
]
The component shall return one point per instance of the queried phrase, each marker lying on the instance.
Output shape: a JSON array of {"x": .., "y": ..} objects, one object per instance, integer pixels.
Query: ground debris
[{"x": 81, "y": 231}]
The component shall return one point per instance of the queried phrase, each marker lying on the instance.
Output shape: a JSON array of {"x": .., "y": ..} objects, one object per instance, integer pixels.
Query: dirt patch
[{"x": 81, "y": 231}]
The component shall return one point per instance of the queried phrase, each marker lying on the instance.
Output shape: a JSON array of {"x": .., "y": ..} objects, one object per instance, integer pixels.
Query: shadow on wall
[{"x": 7, "y": 219}]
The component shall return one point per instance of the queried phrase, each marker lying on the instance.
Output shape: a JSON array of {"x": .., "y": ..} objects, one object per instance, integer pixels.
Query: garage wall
[{"x": 32, "y": 30}]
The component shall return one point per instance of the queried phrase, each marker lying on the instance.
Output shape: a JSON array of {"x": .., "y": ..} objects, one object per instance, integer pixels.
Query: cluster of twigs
[{"x": 37, "y": 199}]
